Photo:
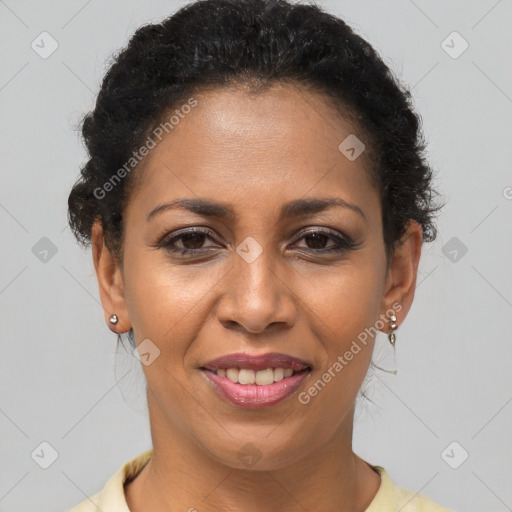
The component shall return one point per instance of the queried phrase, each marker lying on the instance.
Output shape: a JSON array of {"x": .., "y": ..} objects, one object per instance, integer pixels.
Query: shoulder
[
  {"x": 393, "y": 498},
  {"x": 112, "y": 497}
]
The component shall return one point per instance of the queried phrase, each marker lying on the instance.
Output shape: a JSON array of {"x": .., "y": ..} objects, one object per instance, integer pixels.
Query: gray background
[{"x": 58, "y": 367}]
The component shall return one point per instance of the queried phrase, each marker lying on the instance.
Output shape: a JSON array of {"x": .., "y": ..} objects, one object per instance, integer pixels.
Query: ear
[
  {"x": 402, "y": 272},
  {"x": 110, "y": 281}
]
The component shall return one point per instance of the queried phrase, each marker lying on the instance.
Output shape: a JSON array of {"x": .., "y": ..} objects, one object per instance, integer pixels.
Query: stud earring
[{"x": 113, "y": 319}]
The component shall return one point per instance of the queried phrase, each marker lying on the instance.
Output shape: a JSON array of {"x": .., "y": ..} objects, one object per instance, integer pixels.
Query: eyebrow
[{"x": 296, "y": 208}]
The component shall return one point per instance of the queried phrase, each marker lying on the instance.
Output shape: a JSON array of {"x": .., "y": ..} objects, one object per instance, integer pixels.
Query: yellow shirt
[{"x": 389, "y": 497}]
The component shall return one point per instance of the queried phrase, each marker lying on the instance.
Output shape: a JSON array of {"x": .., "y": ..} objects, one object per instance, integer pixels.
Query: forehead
[{"x": 252, "y": 148}]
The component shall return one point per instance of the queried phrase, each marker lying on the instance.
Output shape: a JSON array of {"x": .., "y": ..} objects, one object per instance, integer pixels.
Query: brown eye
[
  {"x": 188, "y": 242},
  {"x": 317, "y": 240},
  {"x": 193, "y": 240}
]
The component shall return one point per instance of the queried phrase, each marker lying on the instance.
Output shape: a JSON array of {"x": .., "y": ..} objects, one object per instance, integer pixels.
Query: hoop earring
[{"x": 113, "y": 319}]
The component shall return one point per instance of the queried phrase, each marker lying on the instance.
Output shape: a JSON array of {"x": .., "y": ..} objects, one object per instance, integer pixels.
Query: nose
[{"x": 256, "y": 297}]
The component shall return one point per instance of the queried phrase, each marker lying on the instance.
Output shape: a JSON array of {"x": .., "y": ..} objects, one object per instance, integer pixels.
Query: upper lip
[{"x": 256, "y": 362}]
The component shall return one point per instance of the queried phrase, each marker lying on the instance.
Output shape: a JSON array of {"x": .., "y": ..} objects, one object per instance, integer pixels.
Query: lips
[
  {"x": 256, "y": 381},
  {"x": 257, "y": 362}
]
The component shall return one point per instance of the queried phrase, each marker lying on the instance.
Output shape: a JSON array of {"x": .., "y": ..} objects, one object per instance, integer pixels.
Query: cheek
[
  {"x": 348, "y": 302},
  {"x": 346, "y": 308},
  {"x": 169, "y": 304},
  {"x": 161, "y": 294}
]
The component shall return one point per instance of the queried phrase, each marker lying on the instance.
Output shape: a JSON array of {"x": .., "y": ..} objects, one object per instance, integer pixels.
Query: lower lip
[{"x": 251, "y": 396}]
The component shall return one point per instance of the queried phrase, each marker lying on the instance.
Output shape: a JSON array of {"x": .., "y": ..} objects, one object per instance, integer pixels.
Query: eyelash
[{"x": 344, "y": 243}]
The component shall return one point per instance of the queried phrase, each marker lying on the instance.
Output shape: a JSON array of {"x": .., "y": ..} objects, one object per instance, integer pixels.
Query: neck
[{"x": 183, "y": 476}]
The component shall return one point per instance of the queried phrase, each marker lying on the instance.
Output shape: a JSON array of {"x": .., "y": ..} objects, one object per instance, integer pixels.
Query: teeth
[
  {"x": 232, "y": 374},
  {"x": 246, "y": 376},
  {"x": 261, "y": 377},
  {"x": 278, "y": 374}
]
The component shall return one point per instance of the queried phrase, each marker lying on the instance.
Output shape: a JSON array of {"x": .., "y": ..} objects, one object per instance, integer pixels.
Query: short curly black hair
[{"x": 224, "y": 43}]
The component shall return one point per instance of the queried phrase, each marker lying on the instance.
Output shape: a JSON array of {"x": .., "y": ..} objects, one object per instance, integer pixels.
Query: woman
[{"x": 256, "y": 198}]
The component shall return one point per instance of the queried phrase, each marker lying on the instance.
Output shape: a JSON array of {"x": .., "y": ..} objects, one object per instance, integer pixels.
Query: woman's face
[{"x": 255, "y": 284}]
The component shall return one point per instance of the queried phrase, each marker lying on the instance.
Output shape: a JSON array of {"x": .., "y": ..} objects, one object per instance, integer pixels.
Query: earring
[
  {"x": 113, "y": 319},
  {"x": 392, "y": 340},
  {"x": 391, "y": 335}
]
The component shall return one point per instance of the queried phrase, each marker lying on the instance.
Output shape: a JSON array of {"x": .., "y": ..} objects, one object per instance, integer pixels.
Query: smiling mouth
[
  {"x": 256, "y": 389},
  {"x": 247, "y": 376}
]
